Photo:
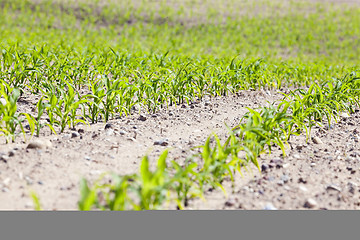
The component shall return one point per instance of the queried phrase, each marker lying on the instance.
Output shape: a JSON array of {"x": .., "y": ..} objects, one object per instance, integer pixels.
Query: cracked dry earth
[{"x": 321, "y": 175}]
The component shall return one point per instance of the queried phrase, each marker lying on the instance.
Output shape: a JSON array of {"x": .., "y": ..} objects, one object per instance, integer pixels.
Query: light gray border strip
[{"x": 182, "y": 225}]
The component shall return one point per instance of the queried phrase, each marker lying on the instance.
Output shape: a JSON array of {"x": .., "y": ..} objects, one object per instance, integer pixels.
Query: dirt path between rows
[{"x": 326, "y": 175}]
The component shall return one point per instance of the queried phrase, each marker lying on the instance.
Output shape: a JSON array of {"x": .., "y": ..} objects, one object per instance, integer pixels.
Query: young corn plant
[
  {"x": 36, "y": 201},
  {"x": 309, "y": 108},
  {"x": 41, "y": 106},
  {"x": 9, "y": 118},
  {"x": 344, "y": 93},
  {"x": 153, "y": 187},
  {"x": 109, "y": 101},
  {"x": 264, "y": 128},
  {"x": 112, "y": 196},
  {"x": 94, "y": 105},
  {"x": 50, "y": 108},
  {"x": 215, "y": 167},
  {"x": 145, "y": 191},
  {"x": 66, "y": 108},
  {"x": 186, "y": 182}
]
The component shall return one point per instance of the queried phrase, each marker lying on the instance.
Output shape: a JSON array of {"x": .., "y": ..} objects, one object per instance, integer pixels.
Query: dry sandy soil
[{"x": 316, "y": 176}]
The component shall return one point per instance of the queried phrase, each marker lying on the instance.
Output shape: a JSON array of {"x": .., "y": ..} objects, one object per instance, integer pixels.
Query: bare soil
[{"x": 328, "y": 173}]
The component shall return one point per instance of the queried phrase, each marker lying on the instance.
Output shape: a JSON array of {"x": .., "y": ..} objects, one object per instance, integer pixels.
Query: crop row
[
  {"x": 87, "y": 87},
  {"x": 258, "y": 131}
]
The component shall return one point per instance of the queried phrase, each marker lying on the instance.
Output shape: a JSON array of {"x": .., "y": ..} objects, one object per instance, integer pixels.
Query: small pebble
[
  {"x": 353, "y": 184},
  {"x": 276, "y": 160},
  {"x": 162, "y": 142},
  {"x": 11, "y": 153},
  {"x": 352, "y": 187},
  {"x": 109, "y": 132},
  {"x": 75, "y": 134},
  {"x": 310, "y": 203},
  {"x": 39, "y": 144},
  {"x": 29, "y": 205},
  {"x": 302, "y": 180},
  {"x": 286, "y": 165},
  {"x": 198, "y": 136},
  {"x": 303, "y": 188},
  {"x": 6, "y": 182},
  {"x": 28, "y": 180},
  {"x": 333, "y": 187},
  {"x": 66, "y": 136},
  {"x": 122, "y": 132},
  {"x": 114, "y": 146},
  {"x": 142, "y": 118},
  {"x": 270, "y": 178},
  {"x": 264, "y": 167},
  {"x": 269, "y": 206},
  {"x": 317, "y": 140},
  {"x": 278, "y": 163},
  {"x": 285, "y": 178},
  {"x": 95, "y": 172},
  {"x": 230, "y": 202},
  {"x": 87, "y": 158},
  {"x": 4, "y": 158}
]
